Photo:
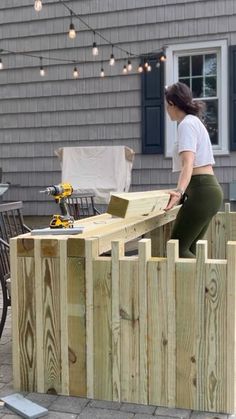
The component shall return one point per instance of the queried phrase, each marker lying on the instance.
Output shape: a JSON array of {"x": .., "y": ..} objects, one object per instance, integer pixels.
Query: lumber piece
[
  {"x": 24, "y": 407},
  {"x": 138, "y": 203}
]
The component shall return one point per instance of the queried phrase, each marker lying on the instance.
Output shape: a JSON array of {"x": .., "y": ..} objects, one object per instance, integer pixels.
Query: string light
[
  {"x": 129, "y": 66},
  {"x": 162, "y": 57},
  {"x": 1, "y": 64},
  {"x": 38, "y": 5},
  {"x": 41, "y": 70},
  {"x": 95, "y": 48},
  {"x": 75, "y": 73},
  {"x": 149, "y": 67},
  {"x": 112, "y": 58},
  {"x": 140, "y": 68},
  {"x": 125, "y": 71},
  {"x": 72, "y": 32},
  {"x": 102, "y": 73}
]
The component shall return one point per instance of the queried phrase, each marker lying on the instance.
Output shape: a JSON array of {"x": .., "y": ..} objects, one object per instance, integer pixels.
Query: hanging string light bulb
[
  {"x": 162, "y": 57},
  {"x": 95, "y": 48},
  {"x": 112, "y": 58},
  {"x": 75, "y": 73},
  {"x": 41, "y": 70},
  {"x": 1, "y": 64},
  {"x": 38, "y": 5},
  {"x": 149, "y": 67},
  {"x": 146, "y": 64},
  {"x": 125, "y": 71},
  {"x": 129, "y": 66},
  {"x": 102, "y": 73},
  {"x": 140, "y": 68},
  {"x": 72, "y": 31}
]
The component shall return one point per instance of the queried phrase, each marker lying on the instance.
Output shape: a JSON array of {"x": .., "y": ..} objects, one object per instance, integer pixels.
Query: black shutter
[
  {"x": 153, "y": 109},
  {"x": 232, "y": 96}
]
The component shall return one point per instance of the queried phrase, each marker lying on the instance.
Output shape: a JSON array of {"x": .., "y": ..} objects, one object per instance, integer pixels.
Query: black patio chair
[
  {"x": 81, "y": 206},
  {"x": 5, "y": 283},
  {"x": 11, "y": 220},
  {"x": 11, "y": 225}
]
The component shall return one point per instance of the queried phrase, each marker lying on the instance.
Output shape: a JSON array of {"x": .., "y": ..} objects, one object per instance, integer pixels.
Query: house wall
[{"x": 38, "y": 115}]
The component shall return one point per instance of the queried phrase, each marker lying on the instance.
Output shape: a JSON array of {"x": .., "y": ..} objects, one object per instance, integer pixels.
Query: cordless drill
[{"x": 60, "y": 193}]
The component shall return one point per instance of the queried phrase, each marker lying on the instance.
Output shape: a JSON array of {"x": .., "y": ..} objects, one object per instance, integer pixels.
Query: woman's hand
[{"x": 174, "y": 200}]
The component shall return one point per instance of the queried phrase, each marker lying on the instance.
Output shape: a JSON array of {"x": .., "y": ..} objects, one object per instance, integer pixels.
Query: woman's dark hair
[{"x": 180, "y": 95}]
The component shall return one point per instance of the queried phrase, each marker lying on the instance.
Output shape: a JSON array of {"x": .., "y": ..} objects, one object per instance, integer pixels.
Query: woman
[{"x": 197, "y": 186}]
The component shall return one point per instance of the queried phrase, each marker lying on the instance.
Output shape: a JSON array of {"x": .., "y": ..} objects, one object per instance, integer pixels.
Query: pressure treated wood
[
  {"x": 141, "y": 329},
  {"x": 138, "y": 203}
]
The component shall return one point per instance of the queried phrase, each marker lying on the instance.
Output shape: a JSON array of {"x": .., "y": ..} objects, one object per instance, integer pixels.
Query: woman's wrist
[{"x": 180, "y": 191}]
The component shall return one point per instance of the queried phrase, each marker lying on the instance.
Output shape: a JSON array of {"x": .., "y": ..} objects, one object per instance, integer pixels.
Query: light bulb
[
  {"x": 140, "y": 68},
  {"x": 38, "y": 5},
  {"x": 125, "y": 69},
  {"x": 75, "y": 73},
  {"x": 42, "y": 71},
  {"x": 112, "y": 60},
  {"x": 149, "y": 68},
  {"x": 72, "y": 32},
  {"x": 102, "y": 74},
  {"x": 129, "y": 65},
  {"x": 146, "y": 64},
  {"x": 1, "y": 64},
  {"x": 95, "y": 49},
  {"x": 162, "y": 57}
]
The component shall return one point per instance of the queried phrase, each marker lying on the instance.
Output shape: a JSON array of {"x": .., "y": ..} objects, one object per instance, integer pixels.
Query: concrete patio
[{"x": 61, "y": 407}]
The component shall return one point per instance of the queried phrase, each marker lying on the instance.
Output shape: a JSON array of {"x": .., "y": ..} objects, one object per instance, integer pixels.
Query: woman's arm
[{"x": 187, "y": 159}]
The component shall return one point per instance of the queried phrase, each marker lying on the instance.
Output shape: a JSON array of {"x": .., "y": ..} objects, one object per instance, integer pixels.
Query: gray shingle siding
[{"x": 39, "y": 115}]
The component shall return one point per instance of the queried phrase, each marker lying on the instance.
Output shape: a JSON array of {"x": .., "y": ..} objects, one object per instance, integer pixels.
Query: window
[{"x": 203, "y": 67}]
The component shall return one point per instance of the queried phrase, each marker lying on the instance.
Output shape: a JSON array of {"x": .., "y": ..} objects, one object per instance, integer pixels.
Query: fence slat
[
  {"x": 157, "y": 332},
  {"x": 231, "y": 327},
  {"x": 117, "y": 253},
  {"x": 91, "y": 251},
  {"x": 172, "y": 257},
  {"x": 102, "y": 328},
  {"x": 76, "y": 326},
  {"x": 144, "y": 252},
  {"x": 129, "y": 312},
  {"x": 64, "y": 317}
]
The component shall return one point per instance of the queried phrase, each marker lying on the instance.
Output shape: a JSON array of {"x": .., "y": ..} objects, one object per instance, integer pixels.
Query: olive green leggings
[{"x": 203, "y": 199}]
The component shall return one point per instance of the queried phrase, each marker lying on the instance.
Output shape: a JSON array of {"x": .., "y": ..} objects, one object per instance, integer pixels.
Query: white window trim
[{"x": 171, "y": 76}]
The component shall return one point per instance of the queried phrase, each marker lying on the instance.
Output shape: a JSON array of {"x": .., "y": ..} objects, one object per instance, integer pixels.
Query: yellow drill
[{"x": 60, "y": 193}]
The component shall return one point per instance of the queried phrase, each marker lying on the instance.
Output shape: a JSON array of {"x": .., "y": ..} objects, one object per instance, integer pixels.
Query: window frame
[{"x": 219, "y": 47}]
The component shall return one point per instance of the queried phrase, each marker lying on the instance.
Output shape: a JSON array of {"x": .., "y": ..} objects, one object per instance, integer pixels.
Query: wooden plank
[
  {"x": 117, "y": 253},
  {"x": 15, "y": 315},
  {"x": 231, "y": 327},
  {"x": 64, "y": 317},
  {"x": 201, "y": 258},
  {"x": 91, "y": 251},
  {"x": 185, "y": 333},
  {"x": 137, "y": 203},
  {"x": 39, "y": 316},
  {"x": 52, "y": 326},
  {"x": 76, "y": 327},
  {"x": 144, "y": 254},
  {"x": 129, "y": 312},
  {"x": 157, "y": 332},
  {"x": 102, "y": 329},
  {"x": 172, "y": 257},
  {"x": 216, "y": 337}
]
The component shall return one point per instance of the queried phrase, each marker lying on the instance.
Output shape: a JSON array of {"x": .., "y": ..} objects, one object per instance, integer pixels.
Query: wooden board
[{"x": 137, "y": 203}]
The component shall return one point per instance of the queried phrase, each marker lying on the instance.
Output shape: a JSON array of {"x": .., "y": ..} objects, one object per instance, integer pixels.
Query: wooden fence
[{"x": 142, "y": 329}]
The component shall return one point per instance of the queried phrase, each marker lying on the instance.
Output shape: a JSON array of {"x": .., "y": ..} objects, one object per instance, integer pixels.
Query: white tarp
[{"x": 99, "y": 170}]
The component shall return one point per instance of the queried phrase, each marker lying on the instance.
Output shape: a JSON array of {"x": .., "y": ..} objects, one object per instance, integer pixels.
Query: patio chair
[
  {"x": 81, "y": 206},
  {"x": 11, "y": 220},
  {"x": 5, "y": 286},
  {"x": 11, "y": 225}
]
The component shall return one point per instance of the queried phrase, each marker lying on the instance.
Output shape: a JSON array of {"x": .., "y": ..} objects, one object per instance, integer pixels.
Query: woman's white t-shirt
[{"x": 193, "y": 136}]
